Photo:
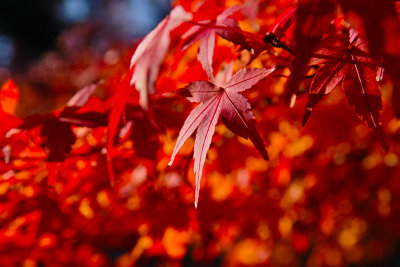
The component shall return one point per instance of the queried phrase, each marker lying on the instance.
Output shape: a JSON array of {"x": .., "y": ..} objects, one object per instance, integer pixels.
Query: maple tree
[{"x": 314, "y": 83}]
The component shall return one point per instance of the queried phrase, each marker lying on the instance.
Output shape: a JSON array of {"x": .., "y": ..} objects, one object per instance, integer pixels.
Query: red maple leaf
[
  {"x": 56, "y": 127},
  {"x": 312, "y": 22},
  {"x": 346, "y": 58},
  {"x": 227, "y": 28},
  {"x": 382, "y": 31},
  {"x": 221, "y": 99}
]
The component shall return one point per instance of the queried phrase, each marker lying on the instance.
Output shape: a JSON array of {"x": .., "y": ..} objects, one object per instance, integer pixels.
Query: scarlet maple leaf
[
  {"x": 221, "y": 99},
  {"x": 151, "y": 51},
  {"x": 347, "y": 59},
  {"x": 56, "y": 127}
]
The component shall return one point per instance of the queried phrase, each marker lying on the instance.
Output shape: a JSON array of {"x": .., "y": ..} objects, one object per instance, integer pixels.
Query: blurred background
[
  {"x": 329, "y": 196},
  {"x": 29, "y": 28},
  {"x": 53, "y": 48}
]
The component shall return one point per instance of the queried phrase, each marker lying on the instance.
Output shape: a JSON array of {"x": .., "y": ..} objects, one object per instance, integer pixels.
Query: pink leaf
[
  {"x": 199, "y": 91},
  {"x": 219, "y": 100},
  {"x": 151, "y": 51},
  {"x": 81, "y": 97},
  {"x": 206, "y": 52},
  {"x": 204, "y": 135},
  {"x": 190, "y": 125}
]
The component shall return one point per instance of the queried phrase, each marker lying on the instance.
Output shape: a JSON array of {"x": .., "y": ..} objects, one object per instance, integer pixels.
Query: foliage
[{"x": 92, "y": 183}]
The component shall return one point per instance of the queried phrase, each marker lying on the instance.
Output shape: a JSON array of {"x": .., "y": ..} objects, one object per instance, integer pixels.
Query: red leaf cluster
[{"x": 92, "y": 182}]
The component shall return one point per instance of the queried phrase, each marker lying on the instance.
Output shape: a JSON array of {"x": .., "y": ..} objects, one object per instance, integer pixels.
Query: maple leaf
[
  {"x": 223, "y": 25},
  {"x": 151, "y": 51},
  {"x": 56, "y": 128},
  {"x": 382, "y": 30},
  {"x": 58, "y": 135},
  {"x": 312, "y": 21},
  {"x": 346, "y": 58},
  {"x": 221, "y": 99}
]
